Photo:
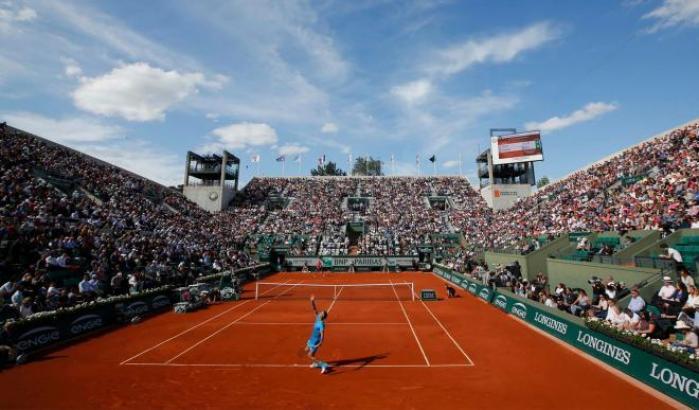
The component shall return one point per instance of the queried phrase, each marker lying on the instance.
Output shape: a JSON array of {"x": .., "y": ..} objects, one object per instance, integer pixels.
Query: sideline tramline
[{"x": 346, "y": 291}]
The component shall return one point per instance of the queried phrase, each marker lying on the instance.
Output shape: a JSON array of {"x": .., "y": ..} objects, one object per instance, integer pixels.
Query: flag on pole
[
  {"x": 281, "y": 158},
  {"x": 298, "y": 158},
  {"x": 321, "y": 161},
  {"x": 433, "y": 158}
]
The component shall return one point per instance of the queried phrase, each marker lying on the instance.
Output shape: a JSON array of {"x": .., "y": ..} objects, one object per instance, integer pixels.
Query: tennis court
[{"x": 388, "y": 351}]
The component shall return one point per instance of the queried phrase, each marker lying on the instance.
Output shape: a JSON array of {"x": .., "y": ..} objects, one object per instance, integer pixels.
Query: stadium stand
[{"x": 73, "y": 228}]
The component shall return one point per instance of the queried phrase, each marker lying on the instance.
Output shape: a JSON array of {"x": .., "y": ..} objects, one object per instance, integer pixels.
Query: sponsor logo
[
  {"x": 675, "y": 380},
  {"x": 484, "y": 293},
  {"x": 473, "y": 288},
  {"x": 160, "y": 301},
  {"x": 551, "y": 323},
  {"x": 38, "y": 337},
  {"x": 136, "y": 308},
  {"x": 519, "y": 309},
  {"x": 604, "y": 347},
  {"x": 85, "y": 323},
  {"x": 501, "y": 302}
]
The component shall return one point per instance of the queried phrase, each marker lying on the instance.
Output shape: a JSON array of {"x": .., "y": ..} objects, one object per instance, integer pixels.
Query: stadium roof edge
[{"x": 609, "y": 157}]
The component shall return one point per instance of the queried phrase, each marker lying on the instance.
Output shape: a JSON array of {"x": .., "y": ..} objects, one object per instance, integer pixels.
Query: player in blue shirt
[{"x": 317, "y": 337}]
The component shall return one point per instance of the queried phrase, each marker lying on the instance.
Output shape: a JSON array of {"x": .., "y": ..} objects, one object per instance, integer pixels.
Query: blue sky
[{"x": 140, "y": 83}]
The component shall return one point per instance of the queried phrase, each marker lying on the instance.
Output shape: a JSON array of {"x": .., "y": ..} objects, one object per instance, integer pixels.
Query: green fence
[{"x": 673, "y": 380}]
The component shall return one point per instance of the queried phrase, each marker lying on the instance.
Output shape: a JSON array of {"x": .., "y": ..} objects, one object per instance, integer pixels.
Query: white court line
[
  {"x": 424, "y": 355},
  {"x": 194, "y": 327},
  {"x": 217, "y": 332},
  {"x": 300, "y": 365},
  {"x": 327, "y": 323},
  {"x": 226, "y": 327},
  {"x": 447, "y": 333},
  {"x": 336, "y": 297}
]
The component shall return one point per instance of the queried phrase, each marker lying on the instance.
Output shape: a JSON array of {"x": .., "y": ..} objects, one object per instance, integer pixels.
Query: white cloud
[
  {"x": 292, "y": 149},
  {"x": 587, "y": 113},
  {"x": 10, "y": 14},
  {"x": 498, "y": 49},
  {"x": 674, "y": 13},
  {"x": 240, "y": 136},
  {"x": 450, "y": 164},
  {"x": 71, "y": 68},
  {"x": 140, "y": 158},
  {"x": 329, "y": 128},
  {"x": 65, "y": 130},
  {"x": 413, "y": 92},
  {"x": 137, "y": 92}
]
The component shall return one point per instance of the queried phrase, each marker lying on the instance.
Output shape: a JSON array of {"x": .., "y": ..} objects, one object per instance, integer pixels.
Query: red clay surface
[{"x": 458, "y": 353}]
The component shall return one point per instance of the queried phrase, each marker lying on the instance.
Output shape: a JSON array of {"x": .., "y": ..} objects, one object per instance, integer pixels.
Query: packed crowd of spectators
[
  {"x": 664, "y": 196},
  {"x": 122, "y": 232},
  {"x": 65, "y": 214}
]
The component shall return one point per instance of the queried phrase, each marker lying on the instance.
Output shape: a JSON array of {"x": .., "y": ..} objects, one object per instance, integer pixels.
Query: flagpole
[
  {"x": 300, "y": 160},
  {"x": 284, "y": 167},
  {"x": 434, "y": 167},
  {"x": 461, "y": 166}
]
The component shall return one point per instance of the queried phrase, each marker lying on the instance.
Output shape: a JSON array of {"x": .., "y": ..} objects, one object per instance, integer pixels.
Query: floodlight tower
[{"x": 211, "y": 181}]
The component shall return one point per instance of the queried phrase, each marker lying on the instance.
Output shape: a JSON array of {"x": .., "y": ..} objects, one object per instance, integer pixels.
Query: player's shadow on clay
[{"x": 346, "y": 365}]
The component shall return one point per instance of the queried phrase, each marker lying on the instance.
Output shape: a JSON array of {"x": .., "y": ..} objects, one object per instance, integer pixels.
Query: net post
[
  {"x": 257, "y": 289},
  {"x": 412, "y": 291},
  {"x": 334, "y": 292}
]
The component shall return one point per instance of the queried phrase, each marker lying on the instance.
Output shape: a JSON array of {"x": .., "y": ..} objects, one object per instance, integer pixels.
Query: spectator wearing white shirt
[
  {"x": 630, "y": 319},
  {"x": 26, "y": 308},
  {"x": 614, "y": 316},
  {"x": 17, "y": 297},
  {"x": 671, "y": 253},
  {"x": 692, "y": 303},
  {"x": 667, "y": 291},
  {"x": 636, "y": 304},
  {"x": 62, "y": 261},
  {"x": 85, "y": 287},
  {"x": 686, "y": 278},
  {"x": 7, "y": 289}
]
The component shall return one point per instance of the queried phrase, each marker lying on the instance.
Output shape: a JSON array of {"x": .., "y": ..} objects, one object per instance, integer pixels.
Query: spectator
[
  {"x": 667, "y": 291},
  {"x": 26, "y": 308},
  {"x": 690, "y": 342},
  {"x": 636, "y": 303},
  {"x": 686, "y": 278},
  {"x": 614, "y": 315},
  {"x": 671, "y": 253},
  {"x": 581, "y": 303}
]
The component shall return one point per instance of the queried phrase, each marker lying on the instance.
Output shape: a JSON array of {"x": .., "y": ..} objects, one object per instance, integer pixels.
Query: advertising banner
[{"x": 671, "y": 379}]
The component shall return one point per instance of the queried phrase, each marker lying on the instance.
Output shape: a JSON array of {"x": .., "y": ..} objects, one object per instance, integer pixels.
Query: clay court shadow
[{"x": 345, "y": 365}]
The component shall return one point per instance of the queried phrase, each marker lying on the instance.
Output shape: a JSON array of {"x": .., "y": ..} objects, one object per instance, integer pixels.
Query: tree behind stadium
[
  {"x": 329, "y": 169},
  {"x": 367, "y": 167}
]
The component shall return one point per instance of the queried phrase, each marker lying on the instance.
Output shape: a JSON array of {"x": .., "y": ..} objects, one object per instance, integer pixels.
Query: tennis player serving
[{"x": 317, "y": 337}]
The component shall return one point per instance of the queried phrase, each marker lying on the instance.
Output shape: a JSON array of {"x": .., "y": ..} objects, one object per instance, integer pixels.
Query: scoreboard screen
[{"x": 524, "y": 147}]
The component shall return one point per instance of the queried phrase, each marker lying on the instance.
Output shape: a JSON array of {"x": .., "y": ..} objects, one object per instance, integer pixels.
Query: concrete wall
[
  {"x": 500, "y": 196},
  {"x": 644, "y": 239},
  {"x": 202, "y": 194},
  {"x": 576, "y": 274},
  {"x": 533, "y": 262}
]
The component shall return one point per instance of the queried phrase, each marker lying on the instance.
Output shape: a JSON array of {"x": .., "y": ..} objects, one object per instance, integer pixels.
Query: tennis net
[{"x": 352, "y": 291}]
